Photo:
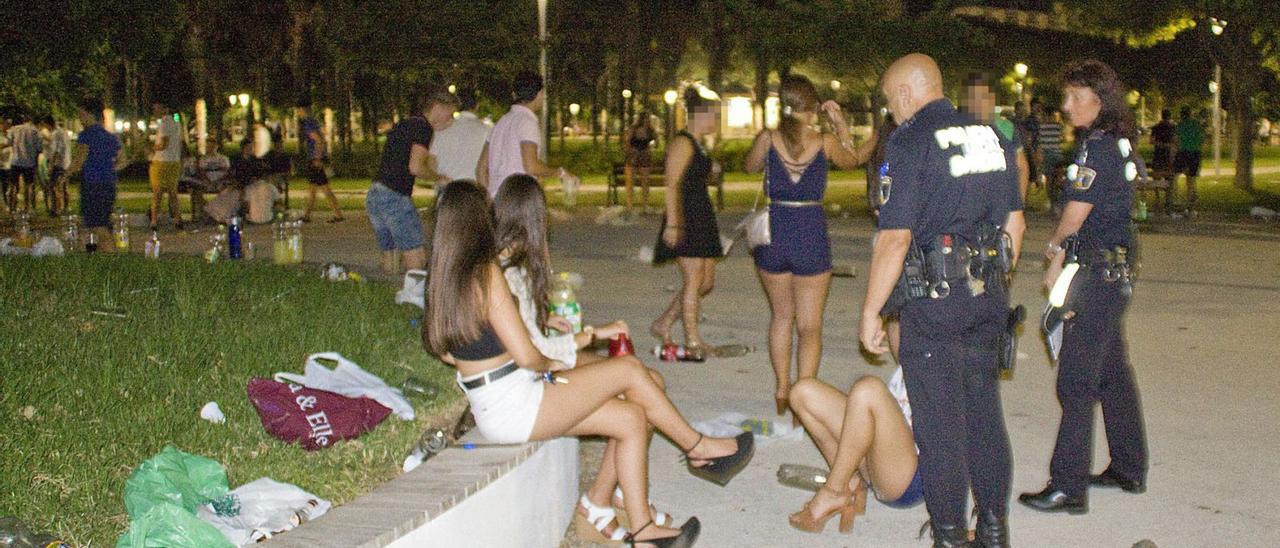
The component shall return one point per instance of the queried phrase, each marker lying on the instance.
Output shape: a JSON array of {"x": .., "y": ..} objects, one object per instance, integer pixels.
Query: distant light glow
[
  {"x": 670, "y": 97},
  {"x": 142, "y": 125},
  {"x": 1021, "y": 70},
  {"x": 739, "y": 112},
  {"x": 453, "y": 88},
  {"x": 574, "y": 108},
  {"x": 835, "y": 85},
  {"x": 626, "y": 94},
  {"x": 772, "y": 107},
  {"x": 233, "y": 99},
  {"x": 244, "y": 99},
  {"x": 1213, "y": 87}
]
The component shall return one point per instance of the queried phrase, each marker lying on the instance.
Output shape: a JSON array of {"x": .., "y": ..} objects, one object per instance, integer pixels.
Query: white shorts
[{"x": 506, "y": 409}]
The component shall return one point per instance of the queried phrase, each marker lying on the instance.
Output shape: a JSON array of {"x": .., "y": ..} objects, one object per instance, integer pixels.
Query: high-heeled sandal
[
  {"x": 688, "y": 534},
  {"x": 661, "y": 519},
  {"x": 852, "y": 506},
  {"x": 720, "y": 470},
  {"x": 600, "y": 524}
]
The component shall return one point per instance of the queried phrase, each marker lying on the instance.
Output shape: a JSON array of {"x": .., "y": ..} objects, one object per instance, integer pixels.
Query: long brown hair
[
  {"x": 1114, "y": 117},
  {"x": 462, "y": 248},
  {"x": 520, "y": 223},
  {"x": 797, "y": 96}
]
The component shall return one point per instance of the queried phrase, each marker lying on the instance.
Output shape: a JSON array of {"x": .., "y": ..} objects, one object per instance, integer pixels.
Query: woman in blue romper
[{"x": 795, "y": 268}]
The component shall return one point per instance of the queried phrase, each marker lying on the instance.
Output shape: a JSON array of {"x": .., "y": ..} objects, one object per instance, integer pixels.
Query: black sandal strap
[{"x": 631, "y": 537}]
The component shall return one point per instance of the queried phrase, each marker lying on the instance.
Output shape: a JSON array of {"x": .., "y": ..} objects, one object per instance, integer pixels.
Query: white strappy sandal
[
  {"x": 660, "y": 519},
  {"x": 600, "y": 524}
]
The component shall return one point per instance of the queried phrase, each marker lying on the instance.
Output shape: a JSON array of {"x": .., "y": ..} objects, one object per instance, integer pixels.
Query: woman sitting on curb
[{"x": 472, "y": 323}]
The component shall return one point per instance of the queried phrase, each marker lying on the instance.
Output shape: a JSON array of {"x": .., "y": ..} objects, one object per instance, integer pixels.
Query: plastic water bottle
[
  {"x": 295, "y": 242},
  {"x": 122, "y": 231},
  {"x": 280, "y": 241},
  {"x": 71, "y": 230},
  {"x": 235, "y": 249},
  {"x": 152, "y": 250},
  {"x": 564, "y": 302},
  {"x": 215, "y": 245},
  {"x": 800, "y": 476}
]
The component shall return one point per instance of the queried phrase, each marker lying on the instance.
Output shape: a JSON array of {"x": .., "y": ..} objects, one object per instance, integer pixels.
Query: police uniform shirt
[
  {"x": 1103, "y": 175},
  {"x": 944, "y": 173}
]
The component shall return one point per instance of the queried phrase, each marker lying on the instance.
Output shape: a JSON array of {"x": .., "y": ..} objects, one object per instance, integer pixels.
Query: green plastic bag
[
  {"x": 166, "y": 525},
  {"x": 174, "y": 477}
]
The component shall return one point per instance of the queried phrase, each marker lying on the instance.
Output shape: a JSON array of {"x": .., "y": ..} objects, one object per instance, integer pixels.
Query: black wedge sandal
[
  {"x": 720, "y": 470},
  {"x": 688, "y": 534}
]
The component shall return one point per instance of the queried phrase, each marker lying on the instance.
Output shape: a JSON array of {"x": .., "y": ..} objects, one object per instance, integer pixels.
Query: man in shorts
[
  {"x": 316, "y": 151},
  {"x": 58, "y": 154},
  {"x": 1190, "y": 139},
  {"x": 166, "y": 164},
  {"x": 406, "y": 157}
]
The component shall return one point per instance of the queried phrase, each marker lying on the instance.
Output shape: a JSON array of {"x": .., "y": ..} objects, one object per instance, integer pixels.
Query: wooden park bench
[
  {"x": 617, "y": 180},
  {"x": 1155, "y": 184}
]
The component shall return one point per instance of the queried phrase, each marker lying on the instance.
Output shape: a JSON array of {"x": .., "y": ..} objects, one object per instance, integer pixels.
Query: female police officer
[{"x": 1095, "y": 230}]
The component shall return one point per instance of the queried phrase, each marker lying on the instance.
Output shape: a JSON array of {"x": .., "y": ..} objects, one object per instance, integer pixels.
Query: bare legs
[
  {"x": 699, "y": 276},
  {"x": 796, "y": 303},
  {"x": 588, "y": 405},
  {"x": 630, "y": 172},
  {"x": 601, "y": 491},
  {"x": 312, "y": 190},
  {"x": 862, "y": 430},
  {"x": 413, "y": 259}
]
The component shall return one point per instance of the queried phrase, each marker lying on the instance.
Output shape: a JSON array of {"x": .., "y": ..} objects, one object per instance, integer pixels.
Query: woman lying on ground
[
  {"x": 472, "y": 323},
  {"x": 865, "y": 437},
  {"x": 520, "y": 218}
]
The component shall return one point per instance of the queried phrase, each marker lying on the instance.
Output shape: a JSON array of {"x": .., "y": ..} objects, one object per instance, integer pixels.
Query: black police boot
[
  {"x": 949, "y": 536},
  {"x": 1109, "y": 478},
  {"x": 993, "y": 530},
  {"x": 1053, "y": 500}
]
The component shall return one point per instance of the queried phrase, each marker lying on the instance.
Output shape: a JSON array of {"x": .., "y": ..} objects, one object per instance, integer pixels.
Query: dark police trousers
[
  {"x": 952, "y": 380},
  {"x": 1094, "y": 367}
]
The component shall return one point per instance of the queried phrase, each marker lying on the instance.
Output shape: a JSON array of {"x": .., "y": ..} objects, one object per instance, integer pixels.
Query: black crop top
[{"x": 487, "y": 346}]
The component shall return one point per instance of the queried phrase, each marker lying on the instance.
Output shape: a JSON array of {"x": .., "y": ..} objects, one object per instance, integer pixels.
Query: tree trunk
[
  {"x": 1242, "y": 114},
  {"x": 762, "y": 84}
]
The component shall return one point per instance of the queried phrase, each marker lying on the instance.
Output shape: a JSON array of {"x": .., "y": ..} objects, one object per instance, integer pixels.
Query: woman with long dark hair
[
  {"x": 520, "y": 218},
  {"x": 1096, "y": 236},
  {"x": 795, "y": 268},
  {"x": 517, "y": 394},
  {"x": 637, "y": 145},
  {"x": 689, "y": 233}
]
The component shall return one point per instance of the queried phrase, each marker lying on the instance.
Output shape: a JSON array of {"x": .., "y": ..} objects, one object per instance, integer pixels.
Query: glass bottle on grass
[
  {"x": 235, "y": 248},
  {"x": 280, "y": 241},
  {"x": 564, "y": 302},
  {"x": 121, "y": 233},
  {"x": 295, "y": 242},
  {"x": 152, "y": 250}
]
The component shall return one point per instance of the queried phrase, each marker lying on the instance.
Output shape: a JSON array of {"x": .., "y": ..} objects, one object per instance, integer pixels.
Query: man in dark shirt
[
  {"x": 406, "y": 156},
  {"x": 315, "y": 150},
  {"x": 1164, "y": 141},
  {"x": 948, "y": 174}
]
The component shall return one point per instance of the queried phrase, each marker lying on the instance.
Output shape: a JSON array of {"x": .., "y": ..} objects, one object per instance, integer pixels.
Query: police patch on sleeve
[
  {"x": 886, "y": 183},
  {"x": 1084, "y": 177}
]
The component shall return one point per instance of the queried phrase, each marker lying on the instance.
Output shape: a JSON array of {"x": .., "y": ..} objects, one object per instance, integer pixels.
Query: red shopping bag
[{"x": 314, "y": 418}]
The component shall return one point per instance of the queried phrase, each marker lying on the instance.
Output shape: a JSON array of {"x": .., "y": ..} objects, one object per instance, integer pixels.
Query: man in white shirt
[
  {"x": 515, "y": 141},
  {"x": 58, "y": 156},
  {"x": 456, "y": 149},
  {"x": 25, "y": 145},
  {"x": 166, "y": 163}
]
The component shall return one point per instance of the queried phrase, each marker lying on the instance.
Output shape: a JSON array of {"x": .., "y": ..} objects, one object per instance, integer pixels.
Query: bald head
[{"x": 911, "y": 82}]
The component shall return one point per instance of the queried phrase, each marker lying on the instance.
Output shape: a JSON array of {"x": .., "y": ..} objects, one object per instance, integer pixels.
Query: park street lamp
[
  {"x": 670, "y": 99},
  {"x": 1217, "y": 26}
]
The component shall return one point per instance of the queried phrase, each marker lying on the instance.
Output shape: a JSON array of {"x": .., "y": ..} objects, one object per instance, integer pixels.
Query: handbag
[{"x": 756, "y": 224}]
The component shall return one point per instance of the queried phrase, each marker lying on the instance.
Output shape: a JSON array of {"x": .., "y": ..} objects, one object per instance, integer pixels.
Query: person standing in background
[
  {"x": 515, "y": 144},
  {"x": 316, "y": 150},
  {"x": 97, "y": 154},
  {"x": 25, "y": 143},
  {"x": 457, "y": 148},
  {"x": 58, "y": 155},
  {"x": 166, "y": 164},
  {"x": 1051, "y": 160},
  {"x": 1190, "y": 135},
  {"x": 405, "y": 158},
  {"x": 638, "y": 148}
]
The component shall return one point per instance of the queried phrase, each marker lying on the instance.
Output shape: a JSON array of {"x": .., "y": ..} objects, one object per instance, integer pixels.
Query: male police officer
[{"x": 952, "y": 183}]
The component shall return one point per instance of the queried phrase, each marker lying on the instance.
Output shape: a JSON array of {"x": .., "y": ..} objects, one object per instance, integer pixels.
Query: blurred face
[
  {"x": 158, "y": 110},
  {"x": 440, "y": 116},
  {"x": 705, "y": 120},
  {"x": 980, "y": 102},
  {"x": 1080, "y": 105}
]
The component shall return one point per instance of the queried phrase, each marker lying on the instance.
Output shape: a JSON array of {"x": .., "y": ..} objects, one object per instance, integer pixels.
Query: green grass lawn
[{"x": 85, "y": 398}]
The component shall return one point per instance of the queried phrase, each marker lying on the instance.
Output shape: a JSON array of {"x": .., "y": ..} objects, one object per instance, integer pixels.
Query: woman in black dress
[{"x": 689, "y": 233}]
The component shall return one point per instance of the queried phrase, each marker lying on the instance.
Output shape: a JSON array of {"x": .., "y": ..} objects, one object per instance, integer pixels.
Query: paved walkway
[{"x": 1202, "y": 333}]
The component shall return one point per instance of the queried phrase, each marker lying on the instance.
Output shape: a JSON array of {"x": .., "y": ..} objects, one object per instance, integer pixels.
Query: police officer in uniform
[
  {"x": 1095, "y": 233},
  {"x": 950, "y": 180}
]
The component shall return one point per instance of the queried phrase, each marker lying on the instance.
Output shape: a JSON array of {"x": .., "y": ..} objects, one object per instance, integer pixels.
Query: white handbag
[{"x": 756, "y": 224}]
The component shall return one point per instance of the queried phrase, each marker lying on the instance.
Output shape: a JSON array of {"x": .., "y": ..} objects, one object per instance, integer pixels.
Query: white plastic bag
[
  {"x": 415, "y": 287},
  {"x": 767, "y": 431},
  {"x": 260, "y": 509},
  {"x": 349, "y": 380}
]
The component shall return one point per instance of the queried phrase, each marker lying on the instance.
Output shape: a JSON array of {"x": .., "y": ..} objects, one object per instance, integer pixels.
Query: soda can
[{"x": 621, "y": 346}]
